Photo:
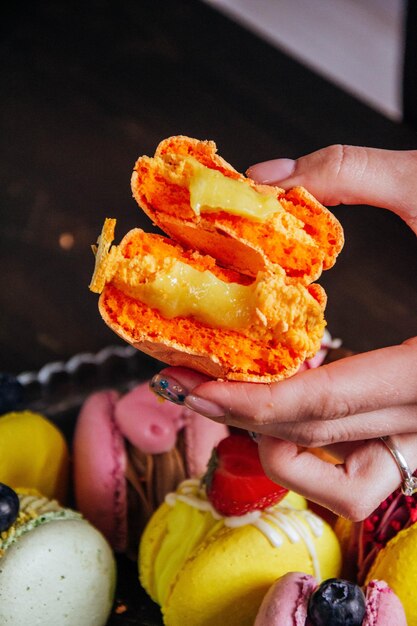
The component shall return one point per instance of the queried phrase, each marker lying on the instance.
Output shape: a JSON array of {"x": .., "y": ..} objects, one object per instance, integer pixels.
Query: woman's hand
[{"x": 347, "y": 405}]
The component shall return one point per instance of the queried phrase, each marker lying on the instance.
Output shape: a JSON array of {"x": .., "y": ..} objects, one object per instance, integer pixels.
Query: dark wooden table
[{"x": 86, "y": 89}]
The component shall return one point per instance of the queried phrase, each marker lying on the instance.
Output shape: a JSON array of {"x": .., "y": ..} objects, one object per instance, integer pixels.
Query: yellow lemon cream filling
[
  {"x": 183, "y": 291},
  {"x": 210, "y": 190},
  {"x": 213, "y": 192},
  {"x": 177, "y": 289}
]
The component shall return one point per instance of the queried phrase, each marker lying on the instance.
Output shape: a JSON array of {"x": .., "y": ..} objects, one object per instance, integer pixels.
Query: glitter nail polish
[{"x": 168, "y": 388}]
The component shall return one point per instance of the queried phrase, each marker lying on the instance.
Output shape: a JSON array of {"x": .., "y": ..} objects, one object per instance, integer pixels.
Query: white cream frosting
[{"x": 275, "y": 523}]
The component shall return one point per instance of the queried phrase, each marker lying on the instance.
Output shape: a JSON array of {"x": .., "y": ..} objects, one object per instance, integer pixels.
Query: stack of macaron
[
  {"x": 129, "y": 451},
  {"x": 232, "y": 292}
]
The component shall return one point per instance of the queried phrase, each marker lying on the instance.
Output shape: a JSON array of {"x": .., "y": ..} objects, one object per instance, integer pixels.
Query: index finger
[
  {"x": 341, "y": 174},
  {"x": 357, "y": 384}
]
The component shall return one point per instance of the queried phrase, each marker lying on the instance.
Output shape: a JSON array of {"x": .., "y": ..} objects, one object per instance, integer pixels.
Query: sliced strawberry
[{"x": 235, "y": 480}]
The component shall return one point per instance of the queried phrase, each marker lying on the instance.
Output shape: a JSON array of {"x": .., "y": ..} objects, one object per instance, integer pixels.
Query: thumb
[{"x": 350, "y": 175}]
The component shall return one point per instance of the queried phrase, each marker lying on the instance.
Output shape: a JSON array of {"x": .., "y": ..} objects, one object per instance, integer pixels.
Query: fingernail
[
  {"x": 168, "y": 388},
  {"x": 271, "y": 171},
  {"x": 204, "y": 407}
]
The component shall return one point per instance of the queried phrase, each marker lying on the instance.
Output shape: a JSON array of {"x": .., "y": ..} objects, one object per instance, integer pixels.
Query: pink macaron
[
  {"x": 297, "y": 599},
  {"x": 128, "y": 452}
]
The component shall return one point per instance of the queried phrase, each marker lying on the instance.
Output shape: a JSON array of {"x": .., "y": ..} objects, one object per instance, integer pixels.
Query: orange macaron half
[{"x": 202, "y": 202}]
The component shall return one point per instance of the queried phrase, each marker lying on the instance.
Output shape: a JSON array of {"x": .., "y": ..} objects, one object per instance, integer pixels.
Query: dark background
[{"x": 88, "y": 87}]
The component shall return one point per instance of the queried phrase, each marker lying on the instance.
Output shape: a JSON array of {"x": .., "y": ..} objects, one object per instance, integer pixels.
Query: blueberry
[
  {"x": 11, "y": 393},
  {"x": 9, "y": 507},
  {"x": 337, "y": 602}
]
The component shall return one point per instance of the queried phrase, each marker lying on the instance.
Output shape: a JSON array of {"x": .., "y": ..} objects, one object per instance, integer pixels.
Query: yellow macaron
[
  {"x": 396, "y": 563},
  {"x": 34, "y": 454},
  {"x": 204, "y": 568}
]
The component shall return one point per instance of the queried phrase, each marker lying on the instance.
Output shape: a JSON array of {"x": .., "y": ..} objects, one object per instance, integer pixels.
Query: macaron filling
[
  {"x": 210, "y": 190},
  {"x": 179, "y": 285},
  {"x": 183, "y": 291}
]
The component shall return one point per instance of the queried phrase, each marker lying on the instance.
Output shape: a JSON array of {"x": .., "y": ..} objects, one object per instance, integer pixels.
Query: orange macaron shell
[
  {"x": 256, "y": 354},
  {"x": 303, "y": 237}
]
